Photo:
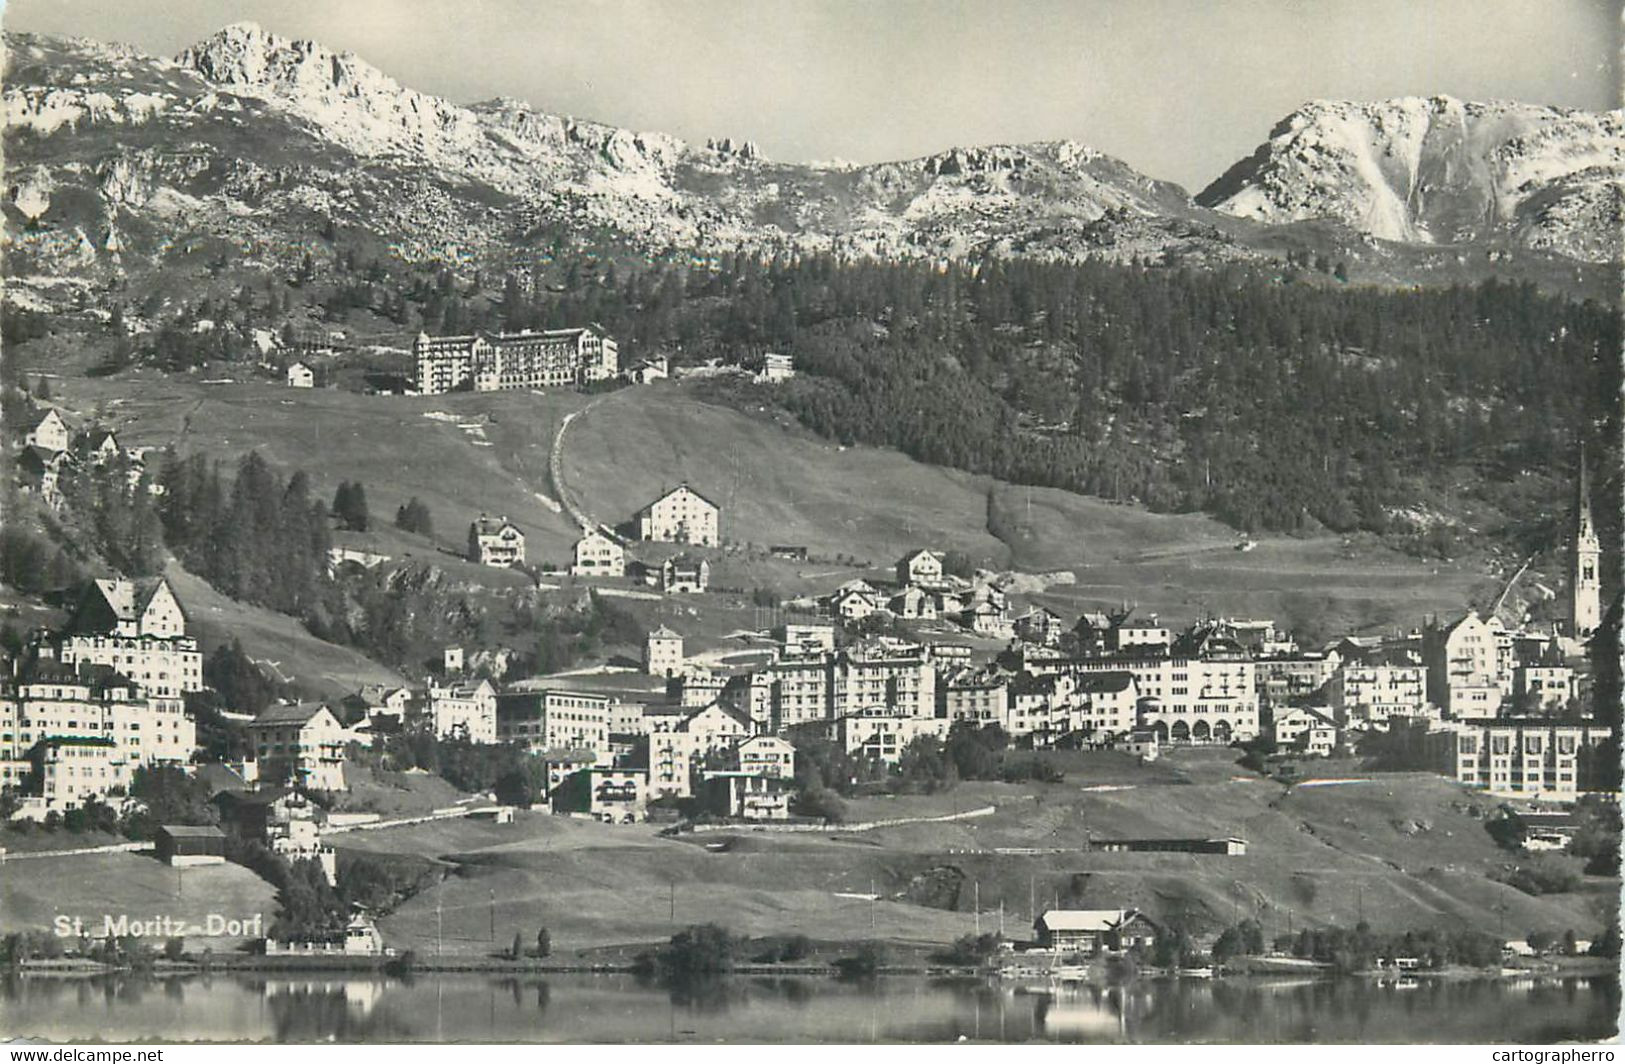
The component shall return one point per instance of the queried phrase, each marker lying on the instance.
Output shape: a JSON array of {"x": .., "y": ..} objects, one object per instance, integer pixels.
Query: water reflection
[{"x": 306, "y": 1008}]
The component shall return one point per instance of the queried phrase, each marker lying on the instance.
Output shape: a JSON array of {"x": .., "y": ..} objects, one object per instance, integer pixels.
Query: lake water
[{"x": 576, "y": 1008}]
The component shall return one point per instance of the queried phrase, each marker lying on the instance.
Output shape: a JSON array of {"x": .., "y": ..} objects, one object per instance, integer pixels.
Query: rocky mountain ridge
[
  {"x": 248, "y": 142},
  {"x": 1440, "y": 170}
]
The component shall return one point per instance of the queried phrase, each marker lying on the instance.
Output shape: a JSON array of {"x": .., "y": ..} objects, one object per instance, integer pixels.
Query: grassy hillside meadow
[
  {"x": 776, "y": 483},
  {"x": 34, "y": 892},
  {"x": 1402, "y": 850}
]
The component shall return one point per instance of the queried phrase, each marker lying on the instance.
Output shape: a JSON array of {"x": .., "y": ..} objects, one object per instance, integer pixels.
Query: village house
[
  {"x": 977, "y": 696},
  {"x": 48, "y": 432},
  {"x": 913, "y": 604},
  {"x": 920, "y": 567},
  {"x": 1287, "y": 677},
  {"x": 648, "y": 370},
  {"x": 1043, "y": 709},
  {"x": 988, "y": 619},
  {"x": 301, "y": 376},
  {"x": 1039, "y": 626},
  {"x": 1468, "y": 673},
  {"x": 853, "y": 603},
  {"x": 678, "y": 742},
  {"x": 765, "y": 755},
  {"x": 879, "y": 733},
  {"x": 1364, "y": 694},
  {"x": 1543, "y": 687},
  {"x": 497, "y": 542},
  {"x": 682, "y": 575},
  {"x": 1090, "y": 932},
  {"x": 302, "y": 743},
  {"x": 1091, "y": 636},
  {"x": 747, "y": 795},
  {"x": 40, "y": 473},
  {"x": 464, "y": 711},
  {"x": 99, "y": 446},
  {"x": 1110, "y": 702},
  {"x": 802, "y": 639},
  {"x": 681, "y": 515},
  {"x": 663, "y": 653},
  {"x": 612, "y": 795},
  {"x": 66, "y": 770},
  {"x": 522, "y": 361},
  {"x": 776, "y": 368},
  {"x": 1132, "y": 636},
  {"x": 1306, "y": 731},
  {"x": 596, "y": 554}
]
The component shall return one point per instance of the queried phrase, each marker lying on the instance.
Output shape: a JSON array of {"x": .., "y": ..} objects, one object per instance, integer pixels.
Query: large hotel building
[{"x": 495, "y": 362}]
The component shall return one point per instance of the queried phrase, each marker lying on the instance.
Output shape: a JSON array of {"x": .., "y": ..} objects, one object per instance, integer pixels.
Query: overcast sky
[{"x": 1177, "y": 88}]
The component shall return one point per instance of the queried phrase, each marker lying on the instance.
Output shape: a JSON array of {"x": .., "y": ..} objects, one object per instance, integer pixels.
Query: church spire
[{"x": 1585, "y": 580}]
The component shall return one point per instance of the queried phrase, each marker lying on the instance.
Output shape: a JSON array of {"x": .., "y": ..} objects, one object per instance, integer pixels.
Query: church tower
[{"x": 1585, "y": 594}]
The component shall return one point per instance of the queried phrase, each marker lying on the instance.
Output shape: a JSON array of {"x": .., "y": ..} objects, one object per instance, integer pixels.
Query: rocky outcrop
[{"x": 1440, "y": 171}]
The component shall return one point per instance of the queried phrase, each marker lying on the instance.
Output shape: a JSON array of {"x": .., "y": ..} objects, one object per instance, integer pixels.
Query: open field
[
  {"x": 1402, "y": 850},
  {"x": 34, "y": 892}
]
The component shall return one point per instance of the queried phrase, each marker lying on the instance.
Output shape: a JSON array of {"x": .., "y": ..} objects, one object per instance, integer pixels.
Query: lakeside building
[
  {"x": 1093, "y": 931},
  {"x": 522, "y": 361}
]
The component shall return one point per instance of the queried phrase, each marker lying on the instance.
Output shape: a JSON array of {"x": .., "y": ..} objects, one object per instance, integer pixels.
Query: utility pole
[
  {"x": 439, "y": 925},
  {"x": 493, "y": 916},
  {"x": 976, "y": 894},
  {"x": 1032, "y": 897}
]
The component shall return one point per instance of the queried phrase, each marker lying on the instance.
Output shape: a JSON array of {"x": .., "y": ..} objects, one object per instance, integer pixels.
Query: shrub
[{"x": 866, "y": 962}]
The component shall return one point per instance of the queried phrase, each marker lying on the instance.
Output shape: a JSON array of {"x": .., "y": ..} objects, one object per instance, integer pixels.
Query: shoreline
[{"x": 1587, "y": 967}]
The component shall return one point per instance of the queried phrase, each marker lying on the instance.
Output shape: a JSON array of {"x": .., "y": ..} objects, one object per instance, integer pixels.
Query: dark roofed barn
[{"x": 182, "y": 845}]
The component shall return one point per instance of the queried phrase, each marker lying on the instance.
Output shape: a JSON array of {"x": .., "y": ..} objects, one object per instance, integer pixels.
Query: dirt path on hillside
[{"x": 555, "y": 469}]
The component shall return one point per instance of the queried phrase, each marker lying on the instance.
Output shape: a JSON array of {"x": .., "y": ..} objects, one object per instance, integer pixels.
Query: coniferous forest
[{"x": 1273, "y": 405}]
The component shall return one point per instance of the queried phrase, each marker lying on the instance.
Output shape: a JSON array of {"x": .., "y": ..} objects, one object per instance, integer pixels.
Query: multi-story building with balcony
[{"x": 523, "y": 361}]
